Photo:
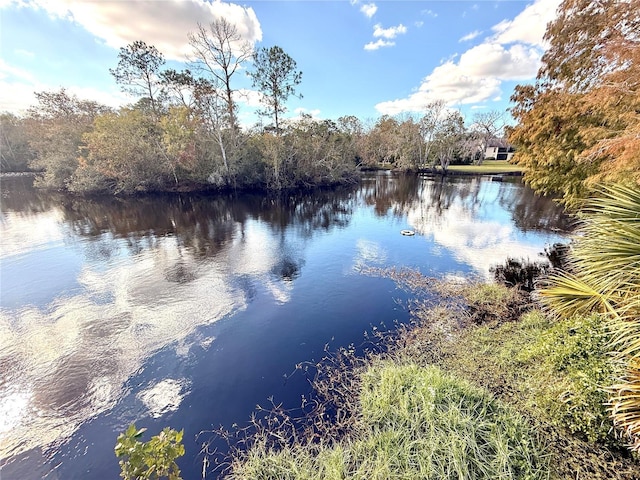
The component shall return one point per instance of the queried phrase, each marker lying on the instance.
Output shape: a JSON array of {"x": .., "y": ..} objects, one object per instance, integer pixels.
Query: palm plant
[{"x": 604, "y": 276}]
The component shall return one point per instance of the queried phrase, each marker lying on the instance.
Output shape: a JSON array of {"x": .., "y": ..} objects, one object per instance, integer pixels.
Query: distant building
[{"x": 499, "y": 150}]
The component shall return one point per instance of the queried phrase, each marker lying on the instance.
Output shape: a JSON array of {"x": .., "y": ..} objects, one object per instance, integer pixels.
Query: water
[{"x": 187, "y": 311}]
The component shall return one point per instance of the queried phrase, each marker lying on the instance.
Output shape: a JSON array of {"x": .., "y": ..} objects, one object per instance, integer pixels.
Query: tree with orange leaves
[{"x": 579, "y": 125}]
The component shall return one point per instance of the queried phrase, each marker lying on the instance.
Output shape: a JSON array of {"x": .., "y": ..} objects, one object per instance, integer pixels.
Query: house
[{"x": 498, "y": 150}]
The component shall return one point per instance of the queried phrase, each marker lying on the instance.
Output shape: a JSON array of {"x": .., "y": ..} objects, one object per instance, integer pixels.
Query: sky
[{"x": 357, "y": 57}]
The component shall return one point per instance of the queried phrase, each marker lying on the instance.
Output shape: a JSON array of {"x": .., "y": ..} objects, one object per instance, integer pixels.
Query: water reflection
[
  {"x": 468, "y": 216},
  {"x": 92, "y": 288}
]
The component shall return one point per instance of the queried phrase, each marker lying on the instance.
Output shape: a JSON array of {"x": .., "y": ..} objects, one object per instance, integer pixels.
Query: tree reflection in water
[{"x": 153, "y": 269}]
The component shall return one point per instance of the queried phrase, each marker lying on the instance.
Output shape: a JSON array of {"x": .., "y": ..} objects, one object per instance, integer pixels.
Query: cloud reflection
[
  {"x": 369, "y": 253},
  {"x": 164, "y": 396},
  {"x": 461, "y": 228},
  {"x": 72, "y": 358},
  {"x": 21, "y": 234},
  {"x": 150, "y": 271}
]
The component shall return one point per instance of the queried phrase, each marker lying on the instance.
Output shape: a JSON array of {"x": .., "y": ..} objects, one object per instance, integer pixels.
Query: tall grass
[{"x": 413, "y": 423}]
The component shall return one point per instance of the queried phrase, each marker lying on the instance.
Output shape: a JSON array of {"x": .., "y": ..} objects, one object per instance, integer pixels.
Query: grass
[
  {"x": 555, "y": 370},
  {"x": 488, "y": 167},
  {"x": 413, "y": 422},
  {"x": 555, "y": 374},
  {"x": 470, "y": 389}
]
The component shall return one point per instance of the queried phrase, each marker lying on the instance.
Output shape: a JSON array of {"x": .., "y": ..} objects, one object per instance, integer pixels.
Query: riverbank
[
  {"x": 482, "y": 339},
  {"x": 488, "y": 167},
  {"x": 495, "y": 168}
]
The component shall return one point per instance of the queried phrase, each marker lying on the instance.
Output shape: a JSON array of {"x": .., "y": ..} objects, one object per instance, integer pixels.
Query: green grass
[
  {"x": 453, "y": 399},
  {"x": 554, "y": 372},
  {"x": 413, "y": 423},
  {"x": 558, "y": 369},
  {"x": 488, "y": 167}
]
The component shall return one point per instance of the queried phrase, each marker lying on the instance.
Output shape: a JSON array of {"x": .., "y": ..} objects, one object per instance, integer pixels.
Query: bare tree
[
  {"x": 428, "y": 127},
  {"x": 447, "y": 139},
  {"x": 218, "y": 52},
  {"x": 487, "y": 126}
]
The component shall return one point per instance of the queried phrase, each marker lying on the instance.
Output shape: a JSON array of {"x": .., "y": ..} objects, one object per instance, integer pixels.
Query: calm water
[{"x": 187, "y": 311}]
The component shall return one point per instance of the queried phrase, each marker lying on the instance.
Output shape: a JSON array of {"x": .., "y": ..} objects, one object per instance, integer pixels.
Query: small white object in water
[{"x": 407, "y": 233}]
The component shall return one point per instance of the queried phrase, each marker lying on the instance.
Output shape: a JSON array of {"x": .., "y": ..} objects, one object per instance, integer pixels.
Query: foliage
[
  {"x": 578, "y": 126},
  {"x": 571, "y": 363},
  {"x": 125, "y": 148},
  {"x": 413, "y": 422},
  {"x": 182, "y": 133},
  {"x": 557, "y": 254},
  {"x": 576, "y": 353},
  {"x": 604, "y": 277},
  {"x": 275, "y": 74},
  {"x": 55, "y": 128},
  {"x": 15, "y": 150},
  {"x": 521, "y": 274},
  {"x": 151, "y": 460},
  {"x": 138, "y": 71},
  {"x": 555, "y": 373}
]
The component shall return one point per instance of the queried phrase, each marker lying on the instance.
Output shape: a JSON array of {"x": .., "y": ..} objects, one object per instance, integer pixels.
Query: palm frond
[
  {"x": 605, "y": 278},
  {"x": 569, "y": 294}
]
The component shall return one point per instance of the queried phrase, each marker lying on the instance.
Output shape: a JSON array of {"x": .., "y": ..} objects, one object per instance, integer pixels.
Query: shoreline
[
  {"x": 475, "y": 335},
  {"x": 191, "y": 187}
]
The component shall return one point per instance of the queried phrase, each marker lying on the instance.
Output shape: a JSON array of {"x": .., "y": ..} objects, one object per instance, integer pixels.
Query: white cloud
[
  {"x": 251, "y": 98},
  {"x": 9, "y": 71},
  {"x": 470, "y": 36},
  {"x": 369, "y": 9},
  {"x": 429, "y": 13},
  {"x": 111, "y": 98},
  {"x": 15, "y": 97},
  {"x": 419, "y": 23},
  {"x": 162, "y": 24},
  {"x": 528, "y": 26},
  {"x": 388, "y": 33},
  {"x": 512, "y": 54},
  {"x": 490, "y": 59},
  {"x": 476, "y": 77},
  {"x": 447, "y": 84},
  {"x": 17, "y": 87},
  {"x": 384, "y": 36},
  {"x": 378, "y": 44}
]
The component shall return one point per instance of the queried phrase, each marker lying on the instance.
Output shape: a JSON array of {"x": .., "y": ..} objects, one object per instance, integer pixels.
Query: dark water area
[{"x": 189, "y": 310}]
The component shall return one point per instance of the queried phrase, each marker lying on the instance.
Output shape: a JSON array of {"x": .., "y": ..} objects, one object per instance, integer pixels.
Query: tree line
[{"x": 183, "y": 131}]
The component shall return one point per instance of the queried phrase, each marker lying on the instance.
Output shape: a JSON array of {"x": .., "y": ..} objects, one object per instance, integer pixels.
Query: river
[{"x": 189, "y": 310}]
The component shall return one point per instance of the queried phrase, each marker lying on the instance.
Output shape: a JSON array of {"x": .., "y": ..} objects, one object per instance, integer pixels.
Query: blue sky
[{"x": 358, "y": 57}]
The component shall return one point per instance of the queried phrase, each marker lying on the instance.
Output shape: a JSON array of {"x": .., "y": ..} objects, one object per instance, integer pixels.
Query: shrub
[
  {"x": 150, "y": 460},
  {"x": 522, "y": 274},
  {"x": 574, "y": 359},
  {"x": 604, "y": 277},
  {"x": 555, "y": 370}
]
